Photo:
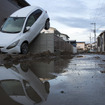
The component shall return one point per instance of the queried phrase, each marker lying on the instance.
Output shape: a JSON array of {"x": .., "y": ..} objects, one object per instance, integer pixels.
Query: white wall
[
  {"x": 64, "y": 37},
  {"x": 74, "y": 50}
]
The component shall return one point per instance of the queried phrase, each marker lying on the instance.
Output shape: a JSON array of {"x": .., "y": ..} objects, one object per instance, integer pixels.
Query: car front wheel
[
  {"x": 47, "y": 24},
  {"x": 24, "y": 48}
]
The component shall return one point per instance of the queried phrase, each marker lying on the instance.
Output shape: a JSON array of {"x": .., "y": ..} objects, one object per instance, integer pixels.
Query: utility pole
[
  {"x": 94, "y": 31},
  {"x": 90, "y": 38}
]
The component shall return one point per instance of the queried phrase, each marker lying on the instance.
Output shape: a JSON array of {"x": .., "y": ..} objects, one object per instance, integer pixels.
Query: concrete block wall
[
  {"x": 49, "y": 42},
  {"x": 42, "y": 43},
  {"x": 61, "y": 45}
]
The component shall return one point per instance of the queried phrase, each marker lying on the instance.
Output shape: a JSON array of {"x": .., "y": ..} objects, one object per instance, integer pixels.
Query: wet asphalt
[{"x": 76, "y": 81}]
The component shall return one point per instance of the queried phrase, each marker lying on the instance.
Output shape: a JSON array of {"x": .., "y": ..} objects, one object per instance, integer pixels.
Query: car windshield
[
  {"x": 13, "y": 25},
  {"x": 12, "y": 87}
]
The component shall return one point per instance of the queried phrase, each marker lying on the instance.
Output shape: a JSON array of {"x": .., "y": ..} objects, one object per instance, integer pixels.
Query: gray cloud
[{"x": 74, "y": 22}]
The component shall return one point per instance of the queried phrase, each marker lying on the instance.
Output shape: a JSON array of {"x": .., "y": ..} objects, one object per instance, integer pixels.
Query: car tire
[
  {"x": 24, "y": 48},
  {"x": 47, "y": 86},
  {"x": 24, "y": 67},
  {"x": 47, "y": 24}
]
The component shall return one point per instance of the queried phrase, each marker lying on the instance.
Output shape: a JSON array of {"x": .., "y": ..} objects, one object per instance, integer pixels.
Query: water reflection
[
  {"x": 27, "y": 83},
  {"x": 22, "y": 85}
]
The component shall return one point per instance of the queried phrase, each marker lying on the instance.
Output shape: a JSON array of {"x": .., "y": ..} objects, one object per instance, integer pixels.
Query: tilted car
[{"x": 21, "y": 28}]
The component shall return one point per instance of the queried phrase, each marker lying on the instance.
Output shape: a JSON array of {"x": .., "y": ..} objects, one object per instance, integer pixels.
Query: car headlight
[{"x": 13, "y": 44}]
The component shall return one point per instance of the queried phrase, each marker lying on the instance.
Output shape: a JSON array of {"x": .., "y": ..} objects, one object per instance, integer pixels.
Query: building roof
[
  {"x": 101, "y": 33},
  {"x": 80, "y": 42},
  {"x": 72, "y": 40},
  {"x": 65, "y": 35}
]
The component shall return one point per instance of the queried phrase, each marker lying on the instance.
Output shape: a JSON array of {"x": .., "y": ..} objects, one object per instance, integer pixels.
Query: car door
[{"x": 34, "y": 25}]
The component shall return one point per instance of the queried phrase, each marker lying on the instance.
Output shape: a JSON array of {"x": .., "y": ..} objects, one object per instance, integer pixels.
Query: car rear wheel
[
  {"x": 47, "y": 24},
  {"x": 24, "y": 48}
]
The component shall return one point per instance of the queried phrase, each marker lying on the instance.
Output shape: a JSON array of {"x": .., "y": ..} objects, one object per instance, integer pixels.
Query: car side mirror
[{"x": 27, "y": 28}]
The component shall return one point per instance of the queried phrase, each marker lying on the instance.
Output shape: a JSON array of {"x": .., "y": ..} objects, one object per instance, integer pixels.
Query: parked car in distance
[{"x": 21, "y": 28}]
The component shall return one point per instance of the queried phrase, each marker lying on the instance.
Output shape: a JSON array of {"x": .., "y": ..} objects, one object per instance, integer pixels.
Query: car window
[
  {"x": 30, "y": 21},
  {"x": 37, "y": 13},
  {"x": 33, "y": 17},
  {"x": 12, "y": 87},
  {"x": 32, "y": 94}
]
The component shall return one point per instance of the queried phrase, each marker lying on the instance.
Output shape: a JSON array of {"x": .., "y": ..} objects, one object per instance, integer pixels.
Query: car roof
[{"x": 24, "y": 12}]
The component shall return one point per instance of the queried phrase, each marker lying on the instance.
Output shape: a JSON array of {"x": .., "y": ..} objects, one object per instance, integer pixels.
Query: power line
[{"x": 98, "y": 10}]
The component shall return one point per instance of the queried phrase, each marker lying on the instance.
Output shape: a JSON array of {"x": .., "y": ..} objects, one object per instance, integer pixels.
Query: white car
[{"x": 21, "y": 28}]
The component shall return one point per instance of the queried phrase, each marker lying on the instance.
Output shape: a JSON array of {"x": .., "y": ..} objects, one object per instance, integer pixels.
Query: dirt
[
  {"x": 79, "y": 56},
  {"x": 45, "y": 56}
]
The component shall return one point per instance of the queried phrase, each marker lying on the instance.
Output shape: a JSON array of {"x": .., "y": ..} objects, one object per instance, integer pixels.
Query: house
[
  {"x": 101, "y": 42},
  {"x": 64, "y": 37},
  {"x": 56, "y": 32},
  {"x": 94, "y": 47},
  {"x": 7, "y": 7},
  {"x": 52, "y": 31},
  {"x": 88, "y": 47},
  {"x": 81, "y": 46}
]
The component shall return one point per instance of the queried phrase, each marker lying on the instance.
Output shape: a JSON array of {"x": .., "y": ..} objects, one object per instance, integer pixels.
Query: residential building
[
  {"x": 81, "y": 46},
  {"x": 56, "y": 32},
  {"x": 51, "y": 30},
  {"x": 88, "y": 47},
  {"x": 64, "y": 37},
  {"x": 101, "y": 42},
  {"x": 7, "y": 7}
]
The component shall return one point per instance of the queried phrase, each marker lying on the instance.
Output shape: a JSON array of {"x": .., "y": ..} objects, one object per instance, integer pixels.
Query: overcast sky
[{"x": 73, "y": 17}]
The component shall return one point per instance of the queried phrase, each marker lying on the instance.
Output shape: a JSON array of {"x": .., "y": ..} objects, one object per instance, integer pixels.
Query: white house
[
  {"x": 56, "y": 32},
  {"x": 81, "y": 46},
  {"x": 64, "y": 37}
]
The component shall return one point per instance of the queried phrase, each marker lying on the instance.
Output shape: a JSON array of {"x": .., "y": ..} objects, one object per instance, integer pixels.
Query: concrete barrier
[{"x": 49, "y": 42}]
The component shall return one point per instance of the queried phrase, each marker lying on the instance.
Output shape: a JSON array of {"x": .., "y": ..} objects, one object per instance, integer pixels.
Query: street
[
  {"x": 76, "y": 81},
  {"x": 83, "y": 83}
]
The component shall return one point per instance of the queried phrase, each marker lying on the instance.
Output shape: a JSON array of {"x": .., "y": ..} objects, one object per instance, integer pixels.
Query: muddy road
[{"x": 76, "y": 81}]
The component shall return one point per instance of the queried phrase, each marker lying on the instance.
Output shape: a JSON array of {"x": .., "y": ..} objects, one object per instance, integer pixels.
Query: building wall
[
  {"x": 74, "y": 50},
  {"x": 61, "y": 45},
  {"x": 101, "y": 42},
  {"x": 6, "y": 9}
]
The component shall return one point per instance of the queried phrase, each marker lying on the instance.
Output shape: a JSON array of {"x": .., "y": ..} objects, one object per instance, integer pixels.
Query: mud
[{"x": 42, "y": 57}]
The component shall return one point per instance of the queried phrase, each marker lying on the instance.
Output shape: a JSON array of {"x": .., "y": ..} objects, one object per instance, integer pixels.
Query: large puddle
[
  {"x": 28, "y": 83},
  {"x": 76, "y": 81}
]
